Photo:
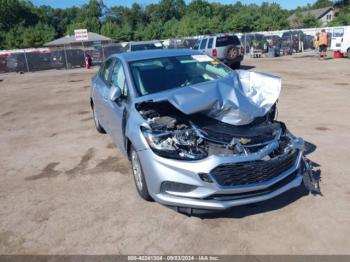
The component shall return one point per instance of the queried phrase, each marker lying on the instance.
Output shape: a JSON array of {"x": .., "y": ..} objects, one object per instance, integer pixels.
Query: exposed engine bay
[{"x": 176, "y": 135}]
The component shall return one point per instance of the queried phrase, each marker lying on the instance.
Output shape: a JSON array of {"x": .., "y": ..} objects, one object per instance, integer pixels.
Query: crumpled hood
[{"x": 237, "y": 99}]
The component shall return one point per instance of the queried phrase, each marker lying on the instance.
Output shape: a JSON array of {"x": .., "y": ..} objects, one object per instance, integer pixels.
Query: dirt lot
[{"x": 65, "y": 189}]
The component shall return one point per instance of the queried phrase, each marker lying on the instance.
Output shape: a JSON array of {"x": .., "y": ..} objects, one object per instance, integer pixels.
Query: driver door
[{"x": 116, "y": 110}]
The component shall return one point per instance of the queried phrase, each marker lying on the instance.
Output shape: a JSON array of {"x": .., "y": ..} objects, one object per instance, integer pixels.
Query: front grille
[
  {"x": 227, "y": 138},
  {"x": 279, "y": 184},
  {"x": 253, "y": 172}
]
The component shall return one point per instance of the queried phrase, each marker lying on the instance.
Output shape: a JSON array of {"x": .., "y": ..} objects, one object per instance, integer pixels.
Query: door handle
[{"x": 105, "y": 98}]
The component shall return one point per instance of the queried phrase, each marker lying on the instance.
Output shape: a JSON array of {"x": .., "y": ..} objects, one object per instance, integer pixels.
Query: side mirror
[{"x": 115, "y": 93}]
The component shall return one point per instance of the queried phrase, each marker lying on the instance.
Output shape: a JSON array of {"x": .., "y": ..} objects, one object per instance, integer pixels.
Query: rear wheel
[
  {"x": 138, "y": 175},
  {"x": 231, "y": 53},
  {"x": 98, "y": 126}
]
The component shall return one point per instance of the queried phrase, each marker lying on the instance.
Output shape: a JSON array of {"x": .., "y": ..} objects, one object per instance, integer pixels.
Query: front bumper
[{"x": 211, "y": 195}]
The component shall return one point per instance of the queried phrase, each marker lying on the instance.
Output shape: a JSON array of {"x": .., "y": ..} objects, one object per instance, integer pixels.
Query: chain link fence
[
  {"x": 262, "y": 44},
  {"x": 21, "y": 61}
]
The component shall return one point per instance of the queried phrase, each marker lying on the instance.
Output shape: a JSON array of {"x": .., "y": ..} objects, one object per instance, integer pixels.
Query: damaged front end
[
  {"x": 175, "y": 135},
  {"x": 238, "y": 157}
]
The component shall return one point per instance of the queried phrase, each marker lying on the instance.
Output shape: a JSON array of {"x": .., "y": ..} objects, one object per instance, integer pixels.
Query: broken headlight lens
[{"x": 177, "y": 144}]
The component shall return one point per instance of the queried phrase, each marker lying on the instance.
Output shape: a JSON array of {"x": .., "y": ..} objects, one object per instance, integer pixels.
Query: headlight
[{"x": 178, "y": 144}]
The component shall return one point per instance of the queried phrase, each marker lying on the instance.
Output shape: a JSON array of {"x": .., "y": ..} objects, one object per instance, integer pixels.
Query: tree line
[{"x": 24, "y": 25}]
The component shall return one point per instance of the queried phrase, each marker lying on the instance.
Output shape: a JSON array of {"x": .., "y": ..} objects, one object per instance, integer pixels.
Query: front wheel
[
  {"x": 98, "y": 126},
  {"x": 138, "y": 175}
]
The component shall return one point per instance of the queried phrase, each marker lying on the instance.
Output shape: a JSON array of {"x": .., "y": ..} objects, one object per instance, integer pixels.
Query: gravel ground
[{"x": 65, "y": 189}]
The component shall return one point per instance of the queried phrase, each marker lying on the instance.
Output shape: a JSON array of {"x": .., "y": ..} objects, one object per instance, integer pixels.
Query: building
[
  {"x": 70, "y": 41},
  {"x": 324, "y": 15}
]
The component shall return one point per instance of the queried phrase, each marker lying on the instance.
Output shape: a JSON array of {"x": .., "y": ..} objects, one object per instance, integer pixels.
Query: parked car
[
  {"x": 194, "y": 142},
  {"x": 143, "y": 45},
  {"x": 179, "y": 43},
  {"x": 293, "y": 39},
  {"x": 226, "y": 48},
  {"x": 75, "y": 58},
  {"x": 308, "y": 42},
  {"x": 274, "y": 44},
  {"x": 256, "y": 42}
]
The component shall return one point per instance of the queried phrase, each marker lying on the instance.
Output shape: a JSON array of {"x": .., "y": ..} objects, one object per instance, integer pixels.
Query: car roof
[
  {"x": 144, "y": 42},
  {"x": 155, "y": 53}
]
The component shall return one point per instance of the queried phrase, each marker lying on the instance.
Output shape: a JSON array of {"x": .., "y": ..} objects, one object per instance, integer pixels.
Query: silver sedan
[{"x": 199, "y": 135}]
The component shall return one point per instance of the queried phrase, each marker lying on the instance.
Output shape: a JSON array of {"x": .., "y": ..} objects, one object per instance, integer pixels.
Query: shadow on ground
[{"x": 246, "y": 67}]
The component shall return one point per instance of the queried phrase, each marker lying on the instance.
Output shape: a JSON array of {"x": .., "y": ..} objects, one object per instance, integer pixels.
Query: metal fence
[
  {"x": 260, "y": 44},
  {"x": 54, "y": 58}
]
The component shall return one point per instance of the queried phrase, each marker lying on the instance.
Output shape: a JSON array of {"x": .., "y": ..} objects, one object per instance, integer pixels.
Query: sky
[{"x": 288, "y": 4}]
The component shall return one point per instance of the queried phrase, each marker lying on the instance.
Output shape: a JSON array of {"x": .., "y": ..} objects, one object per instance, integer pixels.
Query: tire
[
  {"x": 231, "y": 53},
  {"x": 98, "y": 126},
  {"x": 139, "y": 177}
]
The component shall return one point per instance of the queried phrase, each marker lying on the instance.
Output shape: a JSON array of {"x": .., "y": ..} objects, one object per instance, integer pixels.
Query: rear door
[{"x": 337, "y": 39}]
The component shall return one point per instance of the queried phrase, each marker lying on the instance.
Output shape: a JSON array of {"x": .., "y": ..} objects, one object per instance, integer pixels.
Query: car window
[
  {"x": 203, "y": 43},
  {"x": 338, "y": 32},
  {"x": 118, "y": 78},
  {"x": 196, "y": 44},
  {"x": 227, "y": 40},
  {"x": 159, "y": 74},
  {"x": 210, "y": 43},
  {"x": 106, "y": 70}
]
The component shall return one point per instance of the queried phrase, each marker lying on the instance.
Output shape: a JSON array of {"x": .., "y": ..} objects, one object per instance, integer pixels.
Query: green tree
[
  {"x": 88, "y": 17},
  {"x": 241, "y": 22},
  {"x": 14, "y": 37},
  {"x": 92, "y": 25},
  {"x": 168, "y": 9},
  {"x": 38, "y": 35},
  {"x": 342, "y": 19},
  {"x": 310, "y": 20},
  {"x": 110, "y": 29},
  {"x": 322, "y": 3},
  {"x": 170, "y": 28},
  {"x": 16, "y": 12},
  {"x": 199, "y": 8}
]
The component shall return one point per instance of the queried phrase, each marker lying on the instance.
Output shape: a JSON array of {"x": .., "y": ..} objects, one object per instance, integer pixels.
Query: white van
[
  {"x": 345, "y": 45},
  {"x": 337, "y": 38}
]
